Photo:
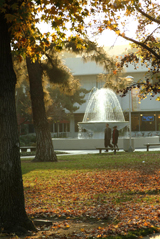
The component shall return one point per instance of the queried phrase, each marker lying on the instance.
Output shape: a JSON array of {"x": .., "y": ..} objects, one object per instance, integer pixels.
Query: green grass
[{"x": 94, "y": 162}]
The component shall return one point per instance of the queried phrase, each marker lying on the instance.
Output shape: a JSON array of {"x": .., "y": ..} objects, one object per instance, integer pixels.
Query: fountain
[{"x": 103, "y": 107}]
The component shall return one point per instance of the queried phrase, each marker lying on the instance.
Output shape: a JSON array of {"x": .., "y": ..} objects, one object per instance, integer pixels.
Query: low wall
[{"x": 74, "y": 143}]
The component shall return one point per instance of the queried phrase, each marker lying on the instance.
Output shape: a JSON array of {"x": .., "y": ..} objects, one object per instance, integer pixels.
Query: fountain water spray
[{"x": 103, "y": 107}]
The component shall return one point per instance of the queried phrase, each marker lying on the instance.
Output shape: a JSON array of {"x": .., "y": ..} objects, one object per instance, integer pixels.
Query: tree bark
[
  {"x": 44, "y": 146},
  {"x": 13, "y": 217}
]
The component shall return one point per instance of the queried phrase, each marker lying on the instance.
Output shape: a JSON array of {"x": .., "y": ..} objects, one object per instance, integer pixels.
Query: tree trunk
[
  {"x": 44, "y": 146},
  {"x": 13, "y": 217}
]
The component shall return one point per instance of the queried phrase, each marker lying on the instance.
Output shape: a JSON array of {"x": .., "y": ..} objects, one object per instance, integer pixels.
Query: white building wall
[{"x": 87, "y": 73}]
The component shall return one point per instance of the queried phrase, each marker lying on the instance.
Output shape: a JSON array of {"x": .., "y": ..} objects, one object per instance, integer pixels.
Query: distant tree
[
  {"x": 23, "y": 103},
  {"x": 67, "y": 85},
  {"x": 44, "y": 144},
  {"x": 69, "y": 102},
  {"x": 23, "y": 107}
]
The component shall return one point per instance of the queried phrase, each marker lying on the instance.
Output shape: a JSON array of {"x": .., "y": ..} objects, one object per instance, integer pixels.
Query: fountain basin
[
  {"x": 100, "y": 126},
  {"x": 82, "y": 144}
]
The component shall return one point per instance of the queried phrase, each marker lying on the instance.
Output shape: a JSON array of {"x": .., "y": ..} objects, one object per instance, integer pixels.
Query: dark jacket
[
  {"x": 107, "y": 134},
  {"x": 115, "y": 136}
]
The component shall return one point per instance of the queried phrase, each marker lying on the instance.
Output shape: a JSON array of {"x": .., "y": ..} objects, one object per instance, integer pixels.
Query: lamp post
[
  {"x": 130, "y": 133},
  {"x": 130, "y": 144}
]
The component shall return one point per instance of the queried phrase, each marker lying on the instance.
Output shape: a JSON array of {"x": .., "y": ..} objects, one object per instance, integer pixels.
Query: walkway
[{"x": 94, "y": 151}]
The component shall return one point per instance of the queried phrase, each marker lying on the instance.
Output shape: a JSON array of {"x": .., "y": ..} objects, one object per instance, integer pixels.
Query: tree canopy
[
  {"x": 123, "y": 17},
  {"x": 24, "y": 15},
  {"x": 73, "y": 16}
]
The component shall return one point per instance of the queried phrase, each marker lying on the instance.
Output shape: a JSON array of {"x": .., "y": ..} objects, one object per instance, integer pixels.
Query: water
[{"x": 103, "y": 107}]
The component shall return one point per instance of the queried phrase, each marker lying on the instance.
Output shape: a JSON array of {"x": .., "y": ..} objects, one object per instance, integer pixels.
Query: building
[{"x": 145, "y": 116}]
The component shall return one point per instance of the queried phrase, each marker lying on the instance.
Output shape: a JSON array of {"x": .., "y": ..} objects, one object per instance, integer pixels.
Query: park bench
[
  {"x": 151, "y": 144},
  {"x": 24, "y": 148},
  {"x": 114, "y": 149}
]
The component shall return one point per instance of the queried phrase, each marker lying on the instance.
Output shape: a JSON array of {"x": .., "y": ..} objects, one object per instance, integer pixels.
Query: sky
[
  {"x": 113, "y": 44},
  {"x": 107, "y": 38}
]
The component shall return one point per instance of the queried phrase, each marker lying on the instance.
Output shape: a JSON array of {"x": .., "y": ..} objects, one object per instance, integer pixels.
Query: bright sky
[{"x": 107, "y": 38}]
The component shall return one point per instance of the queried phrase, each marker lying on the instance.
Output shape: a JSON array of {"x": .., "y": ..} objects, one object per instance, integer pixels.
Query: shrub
[{"x": 29, "y": 139}]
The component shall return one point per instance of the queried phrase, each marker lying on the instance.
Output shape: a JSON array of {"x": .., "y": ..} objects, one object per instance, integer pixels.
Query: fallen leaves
[{"x": 124, "y": 200}]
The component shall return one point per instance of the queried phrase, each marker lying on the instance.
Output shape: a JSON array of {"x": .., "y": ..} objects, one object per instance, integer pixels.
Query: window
[
  {"x": 147, "y": 122},
  {"x": 158, "y": 122},
  {"x": 67, "y": 127},
  {"x": 126, "y": 116},
  {"x": 78, "y": 118},
  {"x": 135, "y": 122},
  {"x": 56, "y": 127},
  {"x": 51, "y": 127},
  {"x": 60, "y": 127}
]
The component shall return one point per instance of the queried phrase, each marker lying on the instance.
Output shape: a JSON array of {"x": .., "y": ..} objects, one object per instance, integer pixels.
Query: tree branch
[
  {"x": 148, "y": 16},
  {"x": 150, "y": 34},
  {"x": 141, "y": 44}
]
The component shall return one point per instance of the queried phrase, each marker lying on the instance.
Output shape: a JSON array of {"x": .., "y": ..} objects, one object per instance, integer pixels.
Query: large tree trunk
[
  {"x": 44, "y": 146},
  {"x": 13, "y": 217}
]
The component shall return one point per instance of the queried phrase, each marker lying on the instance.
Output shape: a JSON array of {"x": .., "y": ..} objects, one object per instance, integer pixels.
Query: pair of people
[{"x": 107, "y": 137}]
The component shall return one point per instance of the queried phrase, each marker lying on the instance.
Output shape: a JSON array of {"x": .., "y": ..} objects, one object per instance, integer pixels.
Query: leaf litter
[{"x": 96, "y": 203}]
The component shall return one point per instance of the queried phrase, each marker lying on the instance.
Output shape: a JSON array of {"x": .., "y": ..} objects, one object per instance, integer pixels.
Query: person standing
[
  {"x": 115, "y": 137},
  {"x": 107, "y": 137}
]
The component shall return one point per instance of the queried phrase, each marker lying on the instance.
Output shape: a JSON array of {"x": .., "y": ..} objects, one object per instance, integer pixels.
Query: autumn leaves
[{"x": 121, "y": 199}]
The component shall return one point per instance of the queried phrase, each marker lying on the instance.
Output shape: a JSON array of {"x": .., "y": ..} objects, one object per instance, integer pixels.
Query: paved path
[
  {"x": 94, "y": 151},
  {"x": 91, "y": 151}
]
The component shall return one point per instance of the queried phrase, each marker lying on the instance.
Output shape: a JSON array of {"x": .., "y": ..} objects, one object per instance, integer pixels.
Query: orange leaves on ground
[
  {"x": 115, "y": 72},
  {"x": 122, "y": 196}
]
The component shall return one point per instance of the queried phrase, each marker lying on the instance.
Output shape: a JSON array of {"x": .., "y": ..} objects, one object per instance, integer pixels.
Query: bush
[{"x": 26, "y": 140}]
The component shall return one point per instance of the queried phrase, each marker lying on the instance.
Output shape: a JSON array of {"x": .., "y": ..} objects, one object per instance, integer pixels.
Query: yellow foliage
[
  {"x": 117, "y": 32},
  {"x": 158, "y": 98}
]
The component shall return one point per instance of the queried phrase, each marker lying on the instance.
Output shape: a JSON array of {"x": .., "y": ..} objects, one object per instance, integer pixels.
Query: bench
[
  {"x": 114, "y": 149},
  {"x": 151, "y": 144},
  {"x": 24, "y": 148}
]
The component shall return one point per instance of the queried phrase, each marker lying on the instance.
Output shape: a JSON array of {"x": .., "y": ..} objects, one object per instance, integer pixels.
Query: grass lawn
[{"x": 95, "y": 195}]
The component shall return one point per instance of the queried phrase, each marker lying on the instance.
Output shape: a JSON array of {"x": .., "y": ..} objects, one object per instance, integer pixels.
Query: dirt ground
[{"x": 57, "y": 228}]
